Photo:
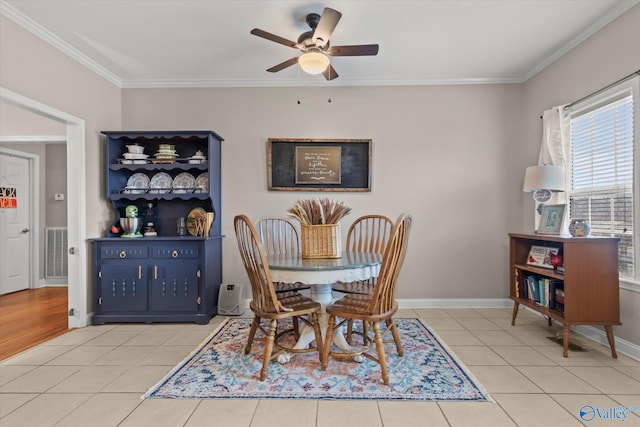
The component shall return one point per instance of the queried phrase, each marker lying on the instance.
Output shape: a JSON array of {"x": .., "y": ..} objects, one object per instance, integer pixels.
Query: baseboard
[
  {"x": 599, "y": 336},
  {"x": 52, "y": 282},
  {"x": 455, "y": 303},
  {"x": 622, "y": 346}
]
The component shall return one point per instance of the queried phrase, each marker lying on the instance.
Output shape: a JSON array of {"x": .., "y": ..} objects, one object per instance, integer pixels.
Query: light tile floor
[{"x": 95, "y": 376}]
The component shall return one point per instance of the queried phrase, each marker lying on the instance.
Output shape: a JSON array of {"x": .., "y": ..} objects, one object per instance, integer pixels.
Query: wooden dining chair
[
  {"x": 280, "y": 237},
  {"x": 373, "y": 309},
  {"x": 265, "y": 304},
  {"x": 369, "y": 233}
]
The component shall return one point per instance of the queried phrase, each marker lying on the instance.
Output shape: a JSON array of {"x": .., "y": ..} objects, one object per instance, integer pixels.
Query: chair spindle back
[
  {"x": 278, "y": 236},
  {"x": 384, "y": 293},
  {"x": 369, "y": 233},
  {"x": 255, "y": 263}
]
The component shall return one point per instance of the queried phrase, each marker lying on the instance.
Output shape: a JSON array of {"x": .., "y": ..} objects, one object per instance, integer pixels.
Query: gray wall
[
  {"x": 438, "y": 153},
  {"x": 56, "y": 177}
]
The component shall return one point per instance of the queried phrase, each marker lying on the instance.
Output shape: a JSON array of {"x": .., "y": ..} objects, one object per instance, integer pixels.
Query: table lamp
[
  {"x": 542, "y": 180},
  {"x": 543, "y": 177}
]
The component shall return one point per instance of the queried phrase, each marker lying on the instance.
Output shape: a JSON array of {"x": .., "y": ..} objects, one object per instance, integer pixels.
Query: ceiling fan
[{"x": 315, "y": 45}]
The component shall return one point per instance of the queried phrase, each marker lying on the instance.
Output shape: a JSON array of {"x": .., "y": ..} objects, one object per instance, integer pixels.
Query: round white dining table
[{"x": 320, "y": 274}]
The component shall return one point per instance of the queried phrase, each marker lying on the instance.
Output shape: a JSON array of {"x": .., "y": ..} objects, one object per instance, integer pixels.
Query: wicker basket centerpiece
[{"x": 320, "y": 227}]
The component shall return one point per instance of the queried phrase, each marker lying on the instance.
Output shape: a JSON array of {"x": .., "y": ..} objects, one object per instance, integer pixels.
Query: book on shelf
[
  {"x": 521, "y": 284},
  {"x": 546, "y": 291},
  {"x": 532, "y": 288},
  {"x": 537, "y": 288},
  {"x": 542, "y": 300},
  {"x": 540, "y": 256},
  {"x": 554, "y": 286}
]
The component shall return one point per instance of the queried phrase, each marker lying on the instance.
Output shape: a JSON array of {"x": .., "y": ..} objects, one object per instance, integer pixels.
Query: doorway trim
[
  {"x": 76, "y": 200},
  {"x": 34, "y": 215}
]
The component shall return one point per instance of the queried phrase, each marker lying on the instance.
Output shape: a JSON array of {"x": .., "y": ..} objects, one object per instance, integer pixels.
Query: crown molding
[
  {"x": 39, "y": 31},
  {"x": 613, "y": 13},
  {"x": 309, "y": 82}
]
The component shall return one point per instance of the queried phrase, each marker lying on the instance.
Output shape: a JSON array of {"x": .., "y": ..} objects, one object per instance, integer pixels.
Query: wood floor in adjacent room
[{"x": 30, "y": 317}]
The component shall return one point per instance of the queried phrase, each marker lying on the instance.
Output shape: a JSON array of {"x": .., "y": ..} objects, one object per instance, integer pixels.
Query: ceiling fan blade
[
  {"x": 354, "y": 50},
  {"x": 283, "y": 65},
  {"x": 330, "y": 73},
  {"x": 265, "y": 35},
  {"x": 326, "y": 25}
]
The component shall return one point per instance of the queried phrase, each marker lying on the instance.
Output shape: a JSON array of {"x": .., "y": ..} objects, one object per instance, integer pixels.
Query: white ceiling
[{"x": 193, "y": 43}]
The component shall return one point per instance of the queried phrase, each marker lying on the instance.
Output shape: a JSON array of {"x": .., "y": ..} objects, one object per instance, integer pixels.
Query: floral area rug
[{"x": 219, "y": 369}]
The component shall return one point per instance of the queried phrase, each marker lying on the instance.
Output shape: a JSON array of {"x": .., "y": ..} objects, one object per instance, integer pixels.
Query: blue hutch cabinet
[{"x": 168, "y": 277}]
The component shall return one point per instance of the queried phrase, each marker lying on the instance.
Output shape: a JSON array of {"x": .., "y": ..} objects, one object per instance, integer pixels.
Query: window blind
[{"x": 602, "y": 173}]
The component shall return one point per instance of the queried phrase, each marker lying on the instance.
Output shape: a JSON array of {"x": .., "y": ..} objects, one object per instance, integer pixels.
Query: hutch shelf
[
  {"x": 168, "y": 277},
  {"x": 589, "y": 288}
]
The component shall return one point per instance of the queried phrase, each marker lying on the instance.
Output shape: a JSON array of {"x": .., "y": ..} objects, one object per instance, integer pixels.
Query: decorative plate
[
  {"x": 132, "y": 162},
  {"x": 183, "y": 183},
  {"x": 138, "y": 183},
  {"x": 161, "y": 183},
  {"x": 202, "y": 183},
  {"x": 166, "y": 154},
  {"x": 197, "y": 221}
]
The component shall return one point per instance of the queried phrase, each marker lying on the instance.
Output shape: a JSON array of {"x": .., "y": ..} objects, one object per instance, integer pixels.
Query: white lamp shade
[
  {"x": 546, "y": 177},
  {"x": 313, "y": 62}
]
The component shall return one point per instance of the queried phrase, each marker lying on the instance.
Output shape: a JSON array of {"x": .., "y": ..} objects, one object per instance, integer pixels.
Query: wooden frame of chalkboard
[{"x": 312, "y": 164}]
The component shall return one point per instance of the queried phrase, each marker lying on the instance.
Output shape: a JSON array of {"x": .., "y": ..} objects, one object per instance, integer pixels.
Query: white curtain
[
  {"x": 555, "y": 137},
  {"x": 555, "y": 145},
  {"x": 555, "y": 150}
]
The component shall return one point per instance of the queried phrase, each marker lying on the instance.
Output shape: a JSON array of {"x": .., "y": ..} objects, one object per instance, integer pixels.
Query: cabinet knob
[
  {"x": 174, "y": 254},
  {"x": 123, "y": 254}
]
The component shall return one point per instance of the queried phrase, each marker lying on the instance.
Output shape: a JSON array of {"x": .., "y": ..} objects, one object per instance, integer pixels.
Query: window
[{"x": 602, "y": 173}]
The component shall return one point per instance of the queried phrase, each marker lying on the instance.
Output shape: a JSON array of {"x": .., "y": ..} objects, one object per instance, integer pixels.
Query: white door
[{"x": 15, "y": 239}]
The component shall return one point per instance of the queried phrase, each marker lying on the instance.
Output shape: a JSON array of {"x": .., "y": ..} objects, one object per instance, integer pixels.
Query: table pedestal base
[{"x": 323, "y": 294}]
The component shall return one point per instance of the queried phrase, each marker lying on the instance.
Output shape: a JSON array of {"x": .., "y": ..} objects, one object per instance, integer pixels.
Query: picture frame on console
[{"x": 551, "y": 219}]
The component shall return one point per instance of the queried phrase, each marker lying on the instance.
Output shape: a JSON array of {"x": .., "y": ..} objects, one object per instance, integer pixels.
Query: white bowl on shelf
[{"x": 138, "y": 149}]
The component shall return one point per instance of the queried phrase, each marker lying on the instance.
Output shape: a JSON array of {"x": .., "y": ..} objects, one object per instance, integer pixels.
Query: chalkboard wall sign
[{"x": 319, "y": 164}]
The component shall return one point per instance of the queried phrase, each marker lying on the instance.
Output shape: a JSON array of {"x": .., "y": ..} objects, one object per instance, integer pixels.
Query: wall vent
[{"x": 56, "y": 266}]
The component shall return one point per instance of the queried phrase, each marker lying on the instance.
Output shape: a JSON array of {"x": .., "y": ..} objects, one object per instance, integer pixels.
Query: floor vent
[{"x": 56, "y": 253}]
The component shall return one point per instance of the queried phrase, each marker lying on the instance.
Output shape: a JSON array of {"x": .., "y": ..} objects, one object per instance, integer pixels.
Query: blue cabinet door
[
  {"x": 174, "y": 286},
  {"x": 123, "y": 287}
]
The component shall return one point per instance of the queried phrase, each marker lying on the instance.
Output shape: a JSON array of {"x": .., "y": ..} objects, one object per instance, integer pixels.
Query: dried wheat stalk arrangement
[{"x": 318, "y": 211}]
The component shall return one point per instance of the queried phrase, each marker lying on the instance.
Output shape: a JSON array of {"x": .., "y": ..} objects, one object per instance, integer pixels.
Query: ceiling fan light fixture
[{"x": 313, "y": 62}]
